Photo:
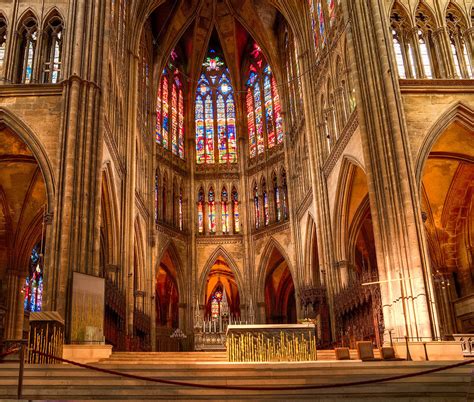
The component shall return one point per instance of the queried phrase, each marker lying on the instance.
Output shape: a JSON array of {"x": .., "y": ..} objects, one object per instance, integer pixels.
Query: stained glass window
[
  {"x": 33, "y": 287},
  {"x": 251, "y": 124},
  {"x": 264, "y": 120},
  {"x": 276, "y": 198},
  {"x": 212, "y": 211},
  {"x": 199, "y": 115},
  {"x": 215, "y": 114},
  {"x": 256, "y": 206},
  {"x": 284, "y": 194},
  {"x": 169, "y": 131},
  {"x": 235, "y": 210},
  {"x": 158, "y": 130},
  {"x": 181, "y": 125},
  {"x": 331, "y": 11},
  {"x": 317, "y": 20},
  {"x": 174, "y": 120},
  {"x": 165, "y": 108},
  {"x": 200, "y": 210},
  {"x": 225, "y": 211},
  {"x": 266, "y": 209},
  {"x": 215, "y": 303},
  {"x": 180, "y": 210}
]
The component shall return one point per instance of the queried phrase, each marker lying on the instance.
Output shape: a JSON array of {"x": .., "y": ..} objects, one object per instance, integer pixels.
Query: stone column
[
  {"x": 75, "y": 225},
  {"x": 395, "y": 206}
]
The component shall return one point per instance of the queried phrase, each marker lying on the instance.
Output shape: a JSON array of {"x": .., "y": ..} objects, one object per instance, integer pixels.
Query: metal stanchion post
[
  {"x": 408, "y": 349},
  {"x": 21, "y": 371}
]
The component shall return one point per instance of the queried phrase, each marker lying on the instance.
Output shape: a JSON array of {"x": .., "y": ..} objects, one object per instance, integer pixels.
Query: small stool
[
  {"x": 365, "y": 351},
  {"x": 342, "y": 354}
]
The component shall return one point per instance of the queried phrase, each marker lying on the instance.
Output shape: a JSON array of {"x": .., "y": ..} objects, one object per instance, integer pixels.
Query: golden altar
[{"x": 271, "y": 343}]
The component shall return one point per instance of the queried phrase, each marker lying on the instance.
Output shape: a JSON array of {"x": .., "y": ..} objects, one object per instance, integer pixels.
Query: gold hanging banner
[{"x": 271, "y": 343}]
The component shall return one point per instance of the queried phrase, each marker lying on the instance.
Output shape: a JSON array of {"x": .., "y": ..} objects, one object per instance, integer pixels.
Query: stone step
[{"x": 66, "y": 382}]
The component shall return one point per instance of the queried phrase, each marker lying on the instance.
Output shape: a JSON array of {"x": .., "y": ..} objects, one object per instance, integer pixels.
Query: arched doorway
[
  {"x": 357, "y": 306},
  {"x": 22, "y": 234},
  {"x": 222, "y": 293},
  {"x": 280, "y": 302},
  {"x": 447, "y": 186},
  {"x": 166, "y": 303}
]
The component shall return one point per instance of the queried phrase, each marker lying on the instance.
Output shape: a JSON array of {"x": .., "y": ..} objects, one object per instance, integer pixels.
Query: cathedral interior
[{"x": 237, "y": 161}]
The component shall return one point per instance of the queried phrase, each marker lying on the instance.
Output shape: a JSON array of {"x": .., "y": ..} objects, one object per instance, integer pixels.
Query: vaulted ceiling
[{"x": 191, "y": 25}]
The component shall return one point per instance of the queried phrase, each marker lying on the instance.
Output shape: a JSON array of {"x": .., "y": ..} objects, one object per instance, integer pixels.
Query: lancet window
[
  {"x": 284, "y": 194},
  {"x": 28, "y": 36},
  {"x": 169, "y": 131},
  {"x": 235, "y": 210},
  {"x": 264, "y": 120},
  {"x": 212, "y": 211},
  {"x": 402, "y": 42},
  {"x": 256, "y": 206},
  {"x": 276, "y": 198},
  {"x": 425, "y": 28},
  {"x": 53, "y": 50},
  {"x": 225, "y": 211},
  {"x": 266, "y": 207},
  {"x": 216, "y": 140},
  {"x": 180, "y": 210},
  {"x": 456, "y": 29},
  {"x": 3, "y": 40},
  {"x": 200, "y": 211},
  {"x": 323, "y": 15}
]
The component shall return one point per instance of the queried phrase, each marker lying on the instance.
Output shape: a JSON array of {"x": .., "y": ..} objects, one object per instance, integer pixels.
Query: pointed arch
[
  {"x": 349, "y": 166},
  {"x": 53, "y": 12},
  {"x": 110, "y": 214},
  {"x": 170, "y": 247},
  {"x": 223, "y": 253},
  {"x": 458, "y": 112},
  {"x": 311, "y": 255},
  {"x": 262, "y": 267},
  {"x": 27, "y": 135}
]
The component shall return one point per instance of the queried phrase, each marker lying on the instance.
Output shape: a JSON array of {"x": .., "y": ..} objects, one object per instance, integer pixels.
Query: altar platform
[{"x": 66, "y": 382}]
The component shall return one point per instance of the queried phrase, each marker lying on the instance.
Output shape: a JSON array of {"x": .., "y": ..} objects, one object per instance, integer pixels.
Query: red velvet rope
[
  {"x": 254, "y": 388},
  {"x": 8, "y": 352}
]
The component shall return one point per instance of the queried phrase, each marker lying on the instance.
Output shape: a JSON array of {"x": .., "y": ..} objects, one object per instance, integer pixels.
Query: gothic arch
[
  {"x": 343, "y": 193},
  {"x": 459, "y": 112},
  {"x": 52, "y": 12},
  {"x": 28, "y": 13},
  {"x": 262, "y": 269},
  {"x": 27, "y": 135},
  {"x": 111, "y": 218},
  {"x": 170, "y": 247},
  {"x": 221, "y": 252},
  {"x": 311, "y": 256}
]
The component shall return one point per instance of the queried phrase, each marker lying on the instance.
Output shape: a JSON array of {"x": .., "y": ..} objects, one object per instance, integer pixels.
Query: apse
[{"x": 221, "y": 291}]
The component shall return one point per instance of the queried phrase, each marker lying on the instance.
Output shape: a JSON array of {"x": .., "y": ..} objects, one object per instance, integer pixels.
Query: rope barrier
[
  {"x": 256, "y": 388},
  {"x": 8, "y": 352}
]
